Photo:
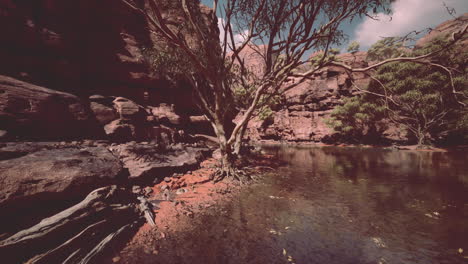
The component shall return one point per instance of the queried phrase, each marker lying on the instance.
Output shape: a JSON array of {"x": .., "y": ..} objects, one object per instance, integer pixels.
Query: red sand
[{"x": 175, "y": 215}]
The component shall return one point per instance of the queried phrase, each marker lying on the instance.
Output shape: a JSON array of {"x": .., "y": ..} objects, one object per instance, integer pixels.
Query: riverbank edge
[{"x": 342, "y": 145}]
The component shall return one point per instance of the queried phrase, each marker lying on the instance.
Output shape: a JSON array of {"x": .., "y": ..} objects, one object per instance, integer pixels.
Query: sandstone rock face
[
  {"x": 87, "y": 47},
  {"x": 308, "y": 105},
  {"x": 37, "y": 112},
  {"x": 64, "y": 45},
  {"x": 34, "y": 112}
]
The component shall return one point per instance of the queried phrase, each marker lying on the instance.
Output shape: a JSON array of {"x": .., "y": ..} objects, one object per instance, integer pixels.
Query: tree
[
  {"x": 281, "y": 32},
  {"x": 353, "y": 47},
  {"x": 386, "y": 48},
  {"x": 422, "y": 97},
  {"x": 359, "y": 119}
]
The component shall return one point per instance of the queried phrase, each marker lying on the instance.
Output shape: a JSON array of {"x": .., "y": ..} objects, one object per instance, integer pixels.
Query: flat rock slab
[
  {"x": 41, "y": 171},
  {"x": 148, "y": 161}
]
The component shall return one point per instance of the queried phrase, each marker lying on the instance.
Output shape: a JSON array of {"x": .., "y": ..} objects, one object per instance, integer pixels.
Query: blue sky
[{"x": 408, "y": 15}]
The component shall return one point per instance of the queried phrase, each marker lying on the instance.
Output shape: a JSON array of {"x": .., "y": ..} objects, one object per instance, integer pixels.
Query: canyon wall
[
  {"x": 307, "y": 105},
  {"x": 65, "y": 64}
]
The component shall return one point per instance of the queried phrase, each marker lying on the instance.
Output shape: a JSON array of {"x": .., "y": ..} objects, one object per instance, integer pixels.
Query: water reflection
[{"x": 339, "y": 205}]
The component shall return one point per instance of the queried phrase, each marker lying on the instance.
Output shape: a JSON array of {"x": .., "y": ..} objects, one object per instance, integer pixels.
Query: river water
[{"x": 339, "y": 205}]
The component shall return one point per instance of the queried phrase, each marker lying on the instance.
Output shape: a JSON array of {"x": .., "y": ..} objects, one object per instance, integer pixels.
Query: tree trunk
[
  {"x": 228, "y": 160},
  {"x": 239, "y": 140},
  {"x": 230, "y": 151},
  {"x": 227, "y": 154},
  {"x": 421, "y": 137}
]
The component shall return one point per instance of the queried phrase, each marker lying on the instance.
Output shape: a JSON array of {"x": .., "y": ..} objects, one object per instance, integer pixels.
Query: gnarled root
[
  {"x": 81, "y": 233},
  {"x": 233, "y": 174}
]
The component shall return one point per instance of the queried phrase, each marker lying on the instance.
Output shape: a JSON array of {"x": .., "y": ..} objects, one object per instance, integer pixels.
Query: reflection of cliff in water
[{"x": 352, "y": 162}]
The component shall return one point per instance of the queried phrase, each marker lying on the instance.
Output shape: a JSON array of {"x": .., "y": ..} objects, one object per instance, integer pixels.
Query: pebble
[
  {"x": 167, "y": 179},
  {"x": 190, "y": 214},
  {"x": 181, "y": 191},
  {"x": 115, "y": 259},
  {"x": 166, "y": 195}
]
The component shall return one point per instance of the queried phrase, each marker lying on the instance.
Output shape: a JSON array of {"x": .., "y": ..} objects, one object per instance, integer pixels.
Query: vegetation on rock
[
  {"x": 427, "y": 99},
  {"x": 353, "y": 47}
]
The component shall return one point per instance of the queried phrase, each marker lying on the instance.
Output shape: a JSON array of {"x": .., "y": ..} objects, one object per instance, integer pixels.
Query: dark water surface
[{"x": 339, "y": 205}]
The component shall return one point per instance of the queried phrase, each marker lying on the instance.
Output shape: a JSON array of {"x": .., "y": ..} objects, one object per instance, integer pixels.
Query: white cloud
[
  {"x": 221, "y": 23},
  {"x": 238, "y": 38},
  {"x": 408, "y": 15}
]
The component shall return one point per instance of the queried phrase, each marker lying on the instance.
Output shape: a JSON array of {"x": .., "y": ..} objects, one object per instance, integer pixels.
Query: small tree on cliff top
[{"x": 280, "y": 32}]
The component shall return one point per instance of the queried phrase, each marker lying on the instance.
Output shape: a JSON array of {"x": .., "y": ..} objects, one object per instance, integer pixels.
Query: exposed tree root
[
  {"x": 81, "y": 233},
  {"x": 233, "y": 174}
]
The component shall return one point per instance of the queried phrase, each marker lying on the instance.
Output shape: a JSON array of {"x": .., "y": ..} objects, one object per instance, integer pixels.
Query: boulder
[
  {"x": 164, "y": 135},
  {"x": 126, "y": 120},
  {"x": 104, "y": 114},
  {"x": 166, "y": 114},
  {"x": 127, "y": 109},
  {"x": 120, "y": 131}
]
